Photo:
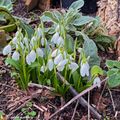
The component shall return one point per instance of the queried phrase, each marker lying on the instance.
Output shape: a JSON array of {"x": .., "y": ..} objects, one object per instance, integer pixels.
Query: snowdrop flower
[
  {"x": 57, "y": 28},
  {"x": 16, "y": 56},
  {"x": 55, "y": 38},
  {"x": 58, "y": 59},
  {"x": 61, "y": 65},
  {"x": 97, "y": 81},
  {"x": 50, "y": 64},
  {"x": 31, "y": 57},
  {"x": 55, "y": 53},
  {"x": 14, "y": 40},
  {"x": 7, "y": 49},
  {"x": 84, "y": 70},
  {"x": 32, "y": 41},
  {"x": 60, "y": 41},
  {"x": 25, "y": 40},
  {"x": 39, "y": 32},
  {"x": 73, "y": 66},
  {"x": 42, "y": 69},
  {"x": 39, "y": 52}
]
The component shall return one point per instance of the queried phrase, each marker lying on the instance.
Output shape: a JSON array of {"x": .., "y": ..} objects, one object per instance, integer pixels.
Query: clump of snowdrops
[{"x": 39, "y": 59}]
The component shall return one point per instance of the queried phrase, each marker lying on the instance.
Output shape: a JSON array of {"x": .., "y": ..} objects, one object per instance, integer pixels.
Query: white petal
[
  {"x": 61, "y": 65},
  {"x": 16, "y": 56},
  {"x": 55, "y": 53},
  {"x": 84, "y": 70},
  {"x": 28, "y": 59},
  {"x": 14, "y": 40},
  {"x": 55, "y": 37},
  {"x": 60, "y": 41},
  {"x": 58, "y": 59},
  {"x": 39, "y": 52},
  {"x": 21, "y": 45},
  {"x": 7, "y": 50},
  {"x": 50, "y": 64},
  {"x": 97, "y": 81},
  {"x": 73, "y": 66},
  {"x": 42, "y": 69},
  {"x": 32, "y": 56}
]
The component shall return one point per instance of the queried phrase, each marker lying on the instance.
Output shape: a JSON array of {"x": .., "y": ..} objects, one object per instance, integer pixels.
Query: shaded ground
[{"x": 45, "y": 103}]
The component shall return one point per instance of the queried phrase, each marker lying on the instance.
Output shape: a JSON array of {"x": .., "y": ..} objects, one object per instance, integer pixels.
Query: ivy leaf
[
  {"x": 77, "y": 4},
  {"x": 83, "y": 20}
]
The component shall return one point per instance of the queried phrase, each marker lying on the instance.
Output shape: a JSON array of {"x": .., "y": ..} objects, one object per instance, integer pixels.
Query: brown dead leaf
[
  {"x": 98, "y": 98},
  {"x": 46, "y": 115}
]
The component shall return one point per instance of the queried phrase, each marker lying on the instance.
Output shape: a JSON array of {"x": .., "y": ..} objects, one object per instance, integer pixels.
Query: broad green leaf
[
  {"x": 13, "y": 63},
  {"x": 112, "y": 71},
  {"x": 32, "y": 113},
  {"x": 26, "y": 28},
  {"x": 57, "y": 15},
  {"x": 69, "y": 44},
  {"x": 83, "y": 20},
  {"x": 77, "y": 4},
  {"x": 95, "y": 70},
  {"x": 51, "y": 16},
  {"x": 90, "y": 49},
  {"x": 6, "y": 4}
]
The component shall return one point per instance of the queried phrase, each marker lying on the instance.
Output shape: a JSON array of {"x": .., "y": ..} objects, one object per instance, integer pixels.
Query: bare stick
[
  {"x": 77, "y": 97},
  {"x": 74, "y": 110},
  {"x": 40, "y": 86}
]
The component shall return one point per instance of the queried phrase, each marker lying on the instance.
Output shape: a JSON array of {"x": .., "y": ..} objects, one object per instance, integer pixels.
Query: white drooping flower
[
  {"x": 16, "y": 56},
  {"x": 58, "y": 58},
  {"x": 57, "y": 28},
  {"x": 84, "y": 70},
  {"x": 55, "y": 53},
  {"x": 73, "y": 66},
  {"x": 55, "y": 38},
  {"x": 39, "y": 52},
  {"x": 42, "y": 69},
  {"x": 32, "y": 41},
  {"x": 14, "y": 40},
  {"x": 39, "y": 32},
  {"x": 61, "y": 65},
  {"x": 31, "y": 57},
  {"x": 60, "y": 41},
  {"x": 50, "y": 64},
  {"x": 97, "y": 81},
  {"x": 7, "y": 49}
]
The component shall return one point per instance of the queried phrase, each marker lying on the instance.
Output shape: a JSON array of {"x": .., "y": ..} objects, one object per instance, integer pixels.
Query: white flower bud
[
  {"x": 16, "y": 56},
  {"x": 60, "y": 41},
  {"x": 14, "y": 40},
  {"x": 21, "y": 45},
  {"x": 31, "y": 57},
  {"x": 42, "y": 41},
  {"x": 58, "y": 59},
  {"x": 50, "y": 64},
  {"x": 73, "y": 66},
  {"x": 39, "y": 52},
  {"x": 55, "y": 38},
  {"x": 97, "y": 81},
  {"x": 7, "y": 50},
  {"x": 55, "y": 53},
  {"x": 42, "y": 69},
  {"x": 84, "y": 70},
  {"x": 39, "y": 32},
  {"x": 61, "y": 65}
]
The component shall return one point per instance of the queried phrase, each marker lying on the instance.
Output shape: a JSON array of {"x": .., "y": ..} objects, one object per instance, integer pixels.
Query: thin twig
[
  {"x": 112, "y": 100},
  {"x": 75, "y": 110},
  {"x": 98, "y": 104},
  {"x": 76, "y": 97},
  {"x": 89, "y": 105}
]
